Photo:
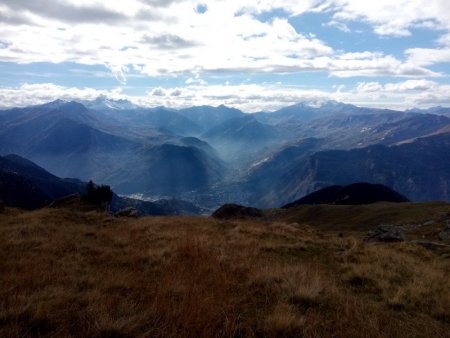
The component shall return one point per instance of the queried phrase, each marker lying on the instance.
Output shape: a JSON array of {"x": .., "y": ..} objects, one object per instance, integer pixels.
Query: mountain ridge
[
  {"x": 25, "y": 185},
  {"x": 218, "y": 155},
  {"x": 353, "y": 194}
]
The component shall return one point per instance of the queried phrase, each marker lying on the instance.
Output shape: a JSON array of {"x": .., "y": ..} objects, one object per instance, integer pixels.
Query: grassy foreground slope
[
  {"x": 365, "y": 217},
  {"x": 66, "y": 273}
]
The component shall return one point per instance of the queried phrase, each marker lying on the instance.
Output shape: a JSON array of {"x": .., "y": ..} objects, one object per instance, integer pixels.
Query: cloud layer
[
  {"x": 197, "y": 39},
  {"x": 247, "y": 97},
  {"x": 171, "y": 37}
]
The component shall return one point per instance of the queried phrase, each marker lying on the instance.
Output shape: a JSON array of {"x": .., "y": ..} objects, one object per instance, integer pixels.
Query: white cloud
[
  {"x": 339, "y": 25},
  {"x": 403, "y": 95},
  {"x": 157, "y": 37},
  {"x": 428, "y": 56},
  {"x": 397, "y": 87},
  {"x": 375, "y": 64},
  {"x": 158, "y": 92},
  {"x": 31, "y": 94},
  {"x": 119, "y": 72},
  {"x": 292, "y": 7},
  {"x": 247, "y": 97},
  {"x": 217, "y": 40},
  {"x": 444, "y": 40},
  {"x": 368, "y": 87},
  {"x": 394, "y": 17},
  {"x": 438, "y": 96},
  {"x": 411, "y": 85}
]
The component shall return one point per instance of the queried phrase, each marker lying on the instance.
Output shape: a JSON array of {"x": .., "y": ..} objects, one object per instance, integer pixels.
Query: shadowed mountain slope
[
  {"x": 353, "y": 194},
  {"x": 168, "y": 169},
  {"x": 243, "y": 138},
  {"x": 25, "y": 185},
  {"x": 419, "y": 170},
  {"x": 208, "y": 117}
]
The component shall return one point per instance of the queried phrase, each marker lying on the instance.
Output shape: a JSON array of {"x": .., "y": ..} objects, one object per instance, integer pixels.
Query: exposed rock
[
  {"x": 229, "y": 211},
  {"x": 66, "y": 201},
  {"x": 127, "y": 212},
  {"x": 385, "y": 233},
  {"x": 444, "y": 235}
]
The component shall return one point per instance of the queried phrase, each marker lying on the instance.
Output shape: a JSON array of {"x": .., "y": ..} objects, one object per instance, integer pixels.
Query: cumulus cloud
[
  {"x": 7, "y": 16},
  {"x": 89, "y": 34},
  {"x": 368, "y": 87},
  {"x": 228, "y": 37},
  {"x": 428, "y": 56},
  {"x": 432, "y": 98},
  {"x": 403, "y": 94},
  {"x": 158, "y": 92},
  {"x": 168, "y": 41},
  {"x": 291, "y": 7},
  {"x": 411, "y": 85},
  {"x": 119, "y": 72},
  {"x": 394, "y": 17},
  {"x": 247, "y": 97},
  {"x": 160, "y": 3},
  {"x": 31, "y": 94},
  {"x": 65, "y": 11},
  {"x": 339, "y": 25},
  {"x": 198, "y": 39},
  {"x": 399, "y": 87}
]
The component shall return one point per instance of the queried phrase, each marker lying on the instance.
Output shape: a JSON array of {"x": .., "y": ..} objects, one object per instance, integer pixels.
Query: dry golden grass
[
  {"x": 85, "y": 274},
  {"x": 357, "y": 217}
]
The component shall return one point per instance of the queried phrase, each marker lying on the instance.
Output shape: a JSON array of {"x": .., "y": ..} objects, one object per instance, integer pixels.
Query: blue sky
[{"x": 251, "y": 54}]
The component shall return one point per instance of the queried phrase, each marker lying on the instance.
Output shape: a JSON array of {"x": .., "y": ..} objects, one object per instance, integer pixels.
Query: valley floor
[{"x": 66, "y": 273}]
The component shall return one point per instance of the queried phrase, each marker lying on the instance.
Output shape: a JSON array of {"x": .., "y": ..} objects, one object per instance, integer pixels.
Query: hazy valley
[{"x": 210, "y": 156}]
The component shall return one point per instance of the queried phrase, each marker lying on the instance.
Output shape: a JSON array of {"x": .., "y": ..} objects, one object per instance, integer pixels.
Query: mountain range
[
  {"x": 24, "y": 184},
  {"x": 216, "y": 155}
]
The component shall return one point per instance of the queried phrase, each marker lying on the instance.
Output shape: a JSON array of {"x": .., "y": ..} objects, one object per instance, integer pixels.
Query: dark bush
[{"x": 99, "y": 195}]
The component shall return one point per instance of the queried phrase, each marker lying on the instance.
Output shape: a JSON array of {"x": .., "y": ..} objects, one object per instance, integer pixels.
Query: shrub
[{"x": 99, "y": 195}]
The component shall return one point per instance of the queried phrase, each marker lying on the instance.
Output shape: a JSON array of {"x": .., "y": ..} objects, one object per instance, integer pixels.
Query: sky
[{"x": 254, "y": 55}]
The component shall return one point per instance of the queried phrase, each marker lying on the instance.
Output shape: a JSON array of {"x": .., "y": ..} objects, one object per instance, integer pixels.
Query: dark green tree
[
  {"x": 98, "y": 195},
  {"x": 90, "y": 190}
]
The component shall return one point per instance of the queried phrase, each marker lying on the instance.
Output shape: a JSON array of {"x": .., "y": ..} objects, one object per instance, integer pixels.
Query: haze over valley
[{"x": 210, "y": 156}]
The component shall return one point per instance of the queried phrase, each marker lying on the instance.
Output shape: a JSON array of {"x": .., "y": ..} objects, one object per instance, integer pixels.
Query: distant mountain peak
[
  {"x": 103, "y": 102},
  {"x": 322, "y": 103},
  {"x": 53, "y": 104},
  {"x": 225, "y": 107},
  {"x": 58, "y": 101},
  {"x": 63, "y": 105},
  {"x": 74, "y": 105},
  {"x": 438, "y": 110}
]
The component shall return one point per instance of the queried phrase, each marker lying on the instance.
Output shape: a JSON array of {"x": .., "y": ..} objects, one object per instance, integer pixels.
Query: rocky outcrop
[
  {"x": 444, "y": 235},
  {"x": 385, "y": 233},
  {"x": 66, "y": 201},
  {"x": 230, "y": 211},
  {"x": 127, "y": 212}
]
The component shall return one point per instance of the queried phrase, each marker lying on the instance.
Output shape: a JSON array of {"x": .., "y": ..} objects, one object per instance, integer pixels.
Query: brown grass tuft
[{"x": 85, "y": 274}]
